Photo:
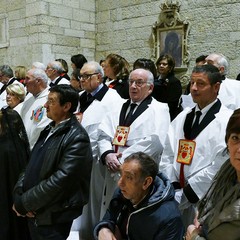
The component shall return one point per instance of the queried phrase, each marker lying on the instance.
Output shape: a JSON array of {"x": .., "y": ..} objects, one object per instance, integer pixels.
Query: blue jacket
[{"x": 157, "y": 217}]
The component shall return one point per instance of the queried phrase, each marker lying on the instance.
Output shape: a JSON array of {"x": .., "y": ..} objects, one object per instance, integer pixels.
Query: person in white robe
[
  {"x": 146, "y": 131},
  {"x": 54, "y": 71},
  {"x": 33, "y": 112},
  {"x": 93, "y": 108},
  {"x": 192, "y": 157},
  {"x": 230, "y": 88}
]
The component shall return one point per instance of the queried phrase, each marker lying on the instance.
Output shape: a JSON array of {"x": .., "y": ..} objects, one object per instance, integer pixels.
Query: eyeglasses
[
  {"x": 138, "y": 83},
  {"x": 51, "y": 101},
  {"x": 86, "y": 76}
]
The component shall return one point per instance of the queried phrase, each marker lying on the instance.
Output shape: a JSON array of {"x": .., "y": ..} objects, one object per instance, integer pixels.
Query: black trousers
[{"x": 59, "y": 231}]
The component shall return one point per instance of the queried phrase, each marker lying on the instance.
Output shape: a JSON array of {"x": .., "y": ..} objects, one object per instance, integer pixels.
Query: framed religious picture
[
  {"x": 170, "y": 35},
  {"x": 171, "y": 42}
]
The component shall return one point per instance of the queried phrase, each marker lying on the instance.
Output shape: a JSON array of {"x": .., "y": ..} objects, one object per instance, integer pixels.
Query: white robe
[
  {"x": 91, "y": 119},
  {"x": 208, "y": 156},
  {"x": 35, "y": 125},
  {"x": 147, "y": 134},
  {"x": 229, "y": 93}
]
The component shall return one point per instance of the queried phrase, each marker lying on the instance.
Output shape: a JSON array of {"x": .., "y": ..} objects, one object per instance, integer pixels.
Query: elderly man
[
  {"x": 230, "y": 88},
  {"x": 55, "y": 185},
  {"x": 194, "y": 147},
  {"x": 141, "y": 124},
  {"x": 33, "y": 112},
  {"x": 54, "y": 71},
  {"x": 95, "y": 101},
  {"x": 143, "y": 207}
]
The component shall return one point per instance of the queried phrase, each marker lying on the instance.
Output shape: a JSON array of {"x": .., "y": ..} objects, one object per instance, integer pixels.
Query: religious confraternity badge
[
  {"x": 186, "y": 151},
  {"x": 121, "y": 136},
  {"x": 37, "y": 114}
]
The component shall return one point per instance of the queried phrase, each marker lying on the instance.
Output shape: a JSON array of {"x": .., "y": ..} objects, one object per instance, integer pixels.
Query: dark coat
[
  {"x": 157, "y": 217},
  {"x": 122, "y": 87},
  {"x": 63, "y": 187},
  {"x": 168, "y": 91},
  {"x": 14, "y": 154}
]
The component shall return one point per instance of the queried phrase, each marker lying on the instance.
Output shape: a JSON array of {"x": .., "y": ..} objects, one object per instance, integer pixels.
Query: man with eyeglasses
[
  {"x": 95, "y": 102},
  {"x": 140, "y": 125},
  {"x": 33, "y": 112},
  {"x": 54, "y": 71}
]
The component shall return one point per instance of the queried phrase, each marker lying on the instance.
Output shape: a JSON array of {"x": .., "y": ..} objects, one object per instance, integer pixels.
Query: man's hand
[
  {"x": 106, "y": 234},
  {"x": 29, "y": 214},
  {"x": 192, "y": 231},
  {"x": 112, "y": 161}
]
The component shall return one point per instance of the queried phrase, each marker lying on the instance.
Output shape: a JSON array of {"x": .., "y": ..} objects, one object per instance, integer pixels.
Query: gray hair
[
  {"x": 56, "y": 65},
  {"x": 98, "y": 68},
  {"x": 39, "y": 65},
  {"x": 40, "y": 74},
  {"x": 6, "y": 71},
  {"x": 150, "y": 78},
  {"x": 222, "y": 61},
  {"x": 18, "y": 90}
]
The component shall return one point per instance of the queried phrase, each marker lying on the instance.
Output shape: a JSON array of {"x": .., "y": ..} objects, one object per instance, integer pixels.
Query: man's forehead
[
  {"x": 142, "y": 75},
  {"x": 200, "y": 75},
  {"x": 52, "y": 95},
  {"x": 87, "y": 68}
]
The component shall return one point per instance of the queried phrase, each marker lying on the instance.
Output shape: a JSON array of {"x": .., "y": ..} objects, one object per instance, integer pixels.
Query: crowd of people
[{"x": 118, "y": 153}]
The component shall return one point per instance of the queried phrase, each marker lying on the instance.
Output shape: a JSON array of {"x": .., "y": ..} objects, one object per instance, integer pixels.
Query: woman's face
[
  {"x": 12, "y": 100},
  {"x": 163, "y": 67},
  {"x": 234, "y": 151}
]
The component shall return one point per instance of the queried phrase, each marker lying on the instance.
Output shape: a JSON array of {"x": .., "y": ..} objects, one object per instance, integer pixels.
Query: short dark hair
[
  {"x": 66, "y": 94},
  {"x": 78, "y": 60},
  {"x": 147, "y": 164},
  {"x": 201, "y": 58},
  {"x": 147, "y": 64},
  {"x": 233, "y": 125},
  {"x": 211, "y": 71}
]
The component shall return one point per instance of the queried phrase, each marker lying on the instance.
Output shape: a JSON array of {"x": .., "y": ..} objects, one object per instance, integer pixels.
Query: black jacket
[
  {"x": 64, "y": 178},
  {"x": 168, "y": 91}
]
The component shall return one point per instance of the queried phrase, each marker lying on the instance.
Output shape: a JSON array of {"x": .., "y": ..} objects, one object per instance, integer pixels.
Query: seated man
[{"x": 143, "y": 207}]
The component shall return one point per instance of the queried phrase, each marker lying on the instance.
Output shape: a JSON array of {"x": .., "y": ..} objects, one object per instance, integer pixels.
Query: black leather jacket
[{"x": 63, "y": 187}]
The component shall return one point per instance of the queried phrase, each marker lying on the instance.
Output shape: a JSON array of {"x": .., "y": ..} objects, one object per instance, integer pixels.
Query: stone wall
[
  {"x": 42, "y": 30},
  {"x": 125, "y": 27}
]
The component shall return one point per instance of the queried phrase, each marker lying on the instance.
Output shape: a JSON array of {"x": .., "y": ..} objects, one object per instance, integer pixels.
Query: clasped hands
[{"x": 112, "y": 162}]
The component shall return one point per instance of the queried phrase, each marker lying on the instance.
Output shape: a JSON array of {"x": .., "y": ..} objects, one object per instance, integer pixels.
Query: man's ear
[
  {"x": 147, "y": 182},
  {"x": 67, "y": 106}
]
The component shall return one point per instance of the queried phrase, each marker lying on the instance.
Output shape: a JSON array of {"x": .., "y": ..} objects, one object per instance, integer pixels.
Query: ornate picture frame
[{"x": 170, "y": 35}]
